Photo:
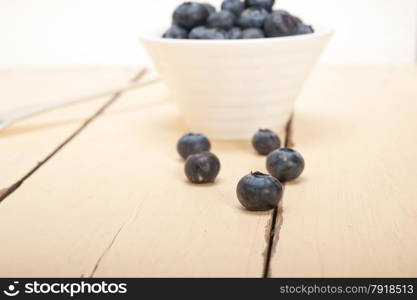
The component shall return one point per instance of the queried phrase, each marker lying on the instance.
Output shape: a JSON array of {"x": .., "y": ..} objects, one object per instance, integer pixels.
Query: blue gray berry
[
  {"x": 265, "y": 141},
  {"x": 234, "y": 33},
  {"x": 304, "y": 29},
  {"x": 204, "y": 33},
  {"x": 210, "y": 8},
  {"x": 252, "y": 17},
  {"x": 202, "y": 168},
  {"x": 253, "y": 33},
  {"x": 266, "y": 4},
  {"x": 285, "y": 164},
  {"x": 222, "y": 20},
  {"x": 234, "y": 6},
  {"x": 190, "y": 14},
  {"x": 175, "y": 32},
  {"x": 192, "y": 144},
  {"x": 281, "y": 23},
  {"x": 259, "y": 192}
]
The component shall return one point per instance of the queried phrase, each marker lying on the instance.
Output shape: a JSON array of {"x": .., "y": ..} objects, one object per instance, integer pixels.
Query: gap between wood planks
[
  {"x": 277, "y": 217},
  {"x": 4, "y": 193}
]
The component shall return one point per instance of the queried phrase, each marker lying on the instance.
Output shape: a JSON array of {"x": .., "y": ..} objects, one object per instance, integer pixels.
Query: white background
[{"x": 103, "y": 32}]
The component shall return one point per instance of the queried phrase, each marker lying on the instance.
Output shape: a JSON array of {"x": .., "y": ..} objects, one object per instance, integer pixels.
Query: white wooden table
[{"x": 113, "y": 201}]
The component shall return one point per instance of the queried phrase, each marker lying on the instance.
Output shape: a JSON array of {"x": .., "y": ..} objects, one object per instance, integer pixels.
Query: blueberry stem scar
[{"x": 277, "y": 214}]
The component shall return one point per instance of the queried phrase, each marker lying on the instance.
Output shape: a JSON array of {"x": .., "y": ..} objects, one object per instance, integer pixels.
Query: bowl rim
[{"x": 150, "y": 36}]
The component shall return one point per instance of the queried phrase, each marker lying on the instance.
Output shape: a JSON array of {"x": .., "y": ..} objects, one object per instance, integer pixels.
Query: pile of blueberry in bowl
[
  {"x": 256, "y": 191},
  {"x": 248, "y": 19}
]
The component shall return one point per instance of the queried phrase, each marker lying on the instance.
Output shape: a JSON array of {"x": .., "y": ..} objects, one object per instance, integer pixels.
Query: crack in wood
[
  {"x": 113, "y": 241},
  {"x": 277, "y": 216},
  {"x": 10, "y": 190},
  {"x": 97, "y": 264}
]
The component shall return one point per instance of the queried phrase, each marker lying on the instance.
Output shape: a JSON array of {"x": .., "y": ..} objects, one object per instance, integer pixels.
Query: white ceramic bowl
[{"x": 228, "y": 89}]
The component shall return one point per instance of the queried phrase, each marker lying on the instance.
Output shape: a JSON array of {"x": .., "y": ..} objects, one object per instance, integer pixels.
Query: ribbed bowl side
[{"x": 229, "y": 90}]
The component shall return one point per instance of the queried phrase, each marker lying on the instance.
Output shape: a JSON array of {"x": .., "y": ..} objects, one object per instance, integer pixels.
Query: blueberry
[
  {"x": 204, "y": 33},
  {"x": 304, "y": 29},
  {"x": 175, "y": 32},
  {"x": 192, "y": 144},
  {"x": 235, "y": 33},
  {"x": 202, "y": 168},
  {"x": 259, "y": 192},
  {"x": 234, "y": 6},
  {"x": 199, "y": 32},
  {"x": 253, "y": 33},
  {"x": 265, "y": 141},
  {"x": 222, "y": 20},
  {"x": 285, "y": 164},
  {"x": 190, "y": 14},
  {"x": 266, "y": 4},
  {"x": 210, "y": 8},
  {"x": 281, "y": 23},
  {"x": 252, "y": 17}
]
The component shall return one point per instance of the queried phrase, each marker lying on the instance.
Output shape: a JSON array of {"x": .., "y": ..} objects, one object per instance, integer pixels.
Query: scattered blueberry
[
  {"x": 252, "y": 17},
  {"x": 265, "y": 141},
  {"x": 222, "y": 20},
  {"x": 253, "y": 33},
  {"x": 210, "y": 8},
  {"x": 234, "y": 33},
  {"x": 202, "y": 168},
  {"x": 281, "y": 23},
  {"x": 204, "y": 33},
  {"x": 190, "y": 14},
  {"x": 259, "y": 192},
  {"x": 285, "y": 164},
  {"x": 192, "y": 144},
  {"x": 266, "y": 4},
  {"x": 175, "y": 32},
  {"x": 234, "y": 6}
]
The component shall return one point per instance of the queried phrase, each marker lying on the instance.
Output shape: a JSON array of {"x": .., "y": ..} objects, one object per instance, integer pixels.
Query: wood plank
[
  {"x": 25, "y": 143},
  {"x": 354, "y": 212},
  {"x": 115, "y": 202}
]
